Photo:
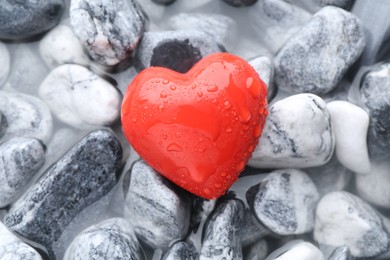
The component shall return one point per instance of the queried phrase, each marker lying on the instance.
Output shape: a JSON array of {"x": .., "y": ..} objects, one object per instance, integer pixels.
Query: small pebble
[
  {"x": 316, "y": 58},
  {"x": 110, "y": 239},
  {"x": 297, "y": 250},
  {"x": 156, "y": 208},
  {"x": 79, "y": 97},
  {"x": 181, "y": 251},
  {"x": 109, "y": 30},
  {"x": 265, "y": 68},
  {"x": 344, "y": 219},
  {"x": 23, "y": 19},
  {"x": 176, "y": 50},
  {"x": 26, "y": 116},
  {"x": 297, "y": 134},
  {"x": 240, "y": 3},
  {"x": 285, "y": 202},
  {"x": 3, "y": 124},
  {"x": 5, "y": 63}
]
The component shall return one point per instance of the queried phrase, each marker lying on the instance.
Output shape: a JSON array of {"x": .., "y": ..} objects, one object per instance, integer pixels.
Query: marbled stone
[
  {"x": 79, "y": 97},
  {"x": 257, "y": 251},
  {"x": 3, "y": 124},
  {"x": 26, "y": 115},
  {"x": 350, "y": 125},
  {"x": 341, "y": 253},
  {"x": 316, "y": 58},
  {"x": 221, "y": 232},
  {"x": 156, "y": 208},
  {"x": 297, "y": 250},
  {"x": 109, "y": 30},
  {"x": 181, "y": 251},
  {"x": 343, "y": 219},
  {"x": 82, "y": 176},
  {"x": 5, "y": 63},
  {"x": 60, "y": 46},
  {"x": 12, "y": 248},
  {"x": 265, "y": 68},
  {"x": 285, "y": 202},
  {"x": 240, "y": 3},
  {"x": 110, "y": 239},
  {"x": 22, "y": 19},
  {"x": 297, "y": 134},
  {"x": 20, "y": 159},
  {"x": 176, "y": 50}
]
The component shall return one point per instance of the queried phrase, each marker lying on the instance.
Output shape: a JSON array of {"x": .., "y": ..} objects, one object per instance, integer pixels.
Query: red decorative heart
[{"x": 197, "y": 129}]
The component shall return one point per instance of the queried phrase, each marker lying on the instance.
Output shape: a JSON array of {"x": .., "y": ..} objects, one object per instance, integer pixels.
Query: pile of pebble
[{"x": 316, "y": 187}]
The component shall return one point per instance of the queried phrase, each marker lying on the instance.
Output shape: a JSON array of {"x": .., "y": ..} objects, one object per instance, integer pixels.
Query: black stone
[
  {"x": 240, "y": 3},
  {"x": 83, "y": 175},
  {"x": 181, "y": 251},
  {"x": 3, "y": 124},
  {"x": 164, "y": 2},
  {"x": 23, "y": 19}
]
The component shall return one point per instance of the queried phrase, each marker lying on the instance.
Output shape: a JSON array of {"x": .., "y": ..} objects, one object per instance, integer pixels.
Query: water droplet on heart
[
  {"x": 134, "y": 120},
  {"x": 173, "y": 87},
  {"x": 146, "y": 107},
  {"x": 199, "y": 93},
  {"x": 165, "y": 81},
  {"x": 227, "y": 105},
  {"x": 161, "y": 107},
  {"x": 228, "y": 176},
  {"x": 240, "y": 166},
  {"x": 206, "y": 191},
  {"x": 212, "y": 88},
  {"x": 163, "y": 94},
  {"x": 177, "y": 135},
  {"x": 157, "y": 81},
  {"x": 229, "y": 130},
  {"x": 245, "y": 115},
  {"x": 223, "y": 174},
  {"x": 217, "y": 185},
  {"x": 254, "y": 89},
  {"x": 245, "y": 127},
  {"x": 257, "y": 131},
  {"x": 173, "y": 147},
  {"x": 250, "y": 148},
  {"x": 165, "y": 136},
  {"x": 193, "y": 86},
  {"x": 261, "y": 110}
]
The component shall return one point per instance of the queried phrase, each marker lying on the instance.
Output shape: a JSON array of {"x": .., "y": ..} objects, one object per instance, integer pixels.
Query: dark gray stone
[
  {"x": 158, "y": 210},
  {"x": 110, "y": 30},
  {"x": 22, "y": 19},
  {"x": 181, "y": 251},
  {"x": 316, "y": 58},
  {"x": 164, "y": 2},
  {"x": 222, "y": 233},
  {"x": 176, "y": 50},
  {"x": 20, "y": 159},
  {"x": 240, "y": 3},
  {"x": 341, "y": 253},
  {"x": 110, "y": 239},
  {"x": 83, "y": 175},
  {"x": 3, "y": 124}
]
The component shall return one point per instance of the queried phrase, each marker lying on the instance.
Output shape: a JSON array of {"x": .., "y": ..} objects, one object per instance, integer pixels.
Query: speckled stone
[
  {"x": 221, "y": 232},
  {"x": 156, "y": 208},
  {"x": 265, "y": 68},
  {"x": 109, "y": 30},
  {"x": 20, "y": 159},
  {"x": 83, "y": 175},
  {"x": 110, "y": 239},
  {"x": 22, "y": 19},
  {"x": 181, "y": 251},
  {"x": 5, "y": 63},
  {"x": 316, "y": 58}
]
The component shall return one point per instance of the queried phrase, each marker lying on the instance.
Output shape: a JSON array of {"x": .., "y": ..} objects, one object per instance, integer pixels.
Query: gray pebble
[
  {"x": 26, "y": 115},
  {"x": 5, "y": 63},
  {"x": 22, "y": 19},
  {"x": 20, "y": 159},
  {"x": 221, "y": 233},
  {"x": 83, "y": 175},
  {"x": 158, "y": 211},
  {"x": 316, "y": 58},
  {"x": 110, "y": 239},
  {"x": 181, "y": 251},
  {"x": 109, "y": 30},
  {"x": 176, "y": 50},
  {"x": 265, "y": 68},
  {"x": 3, "y": 124}
]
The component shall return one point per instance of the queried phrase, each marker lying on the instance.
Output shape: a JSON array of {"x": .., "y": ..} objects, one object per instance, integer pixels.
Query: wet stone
[
  {"x": 240, "y": 3},
  {"x": 297, "y": 250},
  {"x": 109, "y": 30},
  {"x": 156, "y": 208},
  {"x": 20, "y": 159},
  {"x": 5, "y": 63},
  {"x": 297, "y": 134},
  {"x": 12, "y": 248},
  {"x": 26, "y": 116},
  {"x": 82, "y": 176},
  {"x": 181, "y": 251},
  {"x": 23, "y": 19},
  {"x": 176, "y": 50},
  {"x": 221, "y": 233},
  {"x": 265, "y": 68},
  {"x": 3, "y": 124},
  {"x": 316, "y": 58},
  {"x": 110, "y": 239},
  {"x": 343, "y": 219},
  {"x": 285, "y": 202},
  {"x": 79, "y": 97}
]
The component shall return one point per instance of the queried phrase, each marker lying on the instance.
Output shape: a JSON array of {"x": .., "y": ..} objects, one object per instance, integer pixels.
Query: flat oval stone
[
  {"x": 22, "y": 19},
  {"x": 20, "y": 159},
  {"x": 110, "y": 239},
  {"x": 181, "y": 251},
  {"x": 83, "y": 175},
  {"x": 5, "y": 63}
]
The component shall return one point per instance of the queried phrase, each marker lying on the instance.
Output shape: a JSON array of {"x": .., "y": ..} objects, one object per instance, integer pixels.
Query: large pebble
[
  {"x": 158, "y": 211},
  {"x": 3, "y": 124},
  {"x": 26, "y": 116},
  {"x": 20, "y": 159},
  {"x": 297, "y": 250},
  {"x": 176, "y": 50},
  {"x": 181, "y": 251},
  {"x": 316, "y": 58},
  {"x": 221, "y": 233},
  {"x": 12, "y": 248},
  {"x": 5, "y": 63},
  {"x": 61, "y": 46},
  {"x": 109, "y": 30},
  {"x": 344, "y": 219},
  {"x": 83, "y": 175},
  {"x": 285, "y": 202},
  {"x": 22, "y": 19},
  {"x": 79, "y": 97},
  {"x": 110, "y": 239},
  {"x": 297, "y": 134},
  {"x": 350, "y": 126},
  {"x": 265, "y": 68}
]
